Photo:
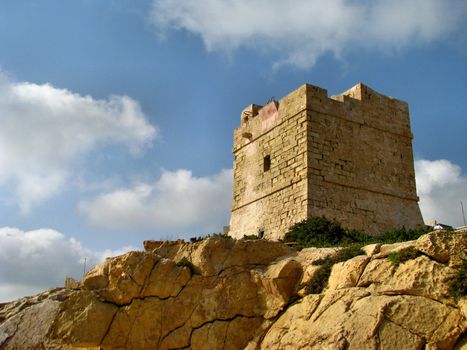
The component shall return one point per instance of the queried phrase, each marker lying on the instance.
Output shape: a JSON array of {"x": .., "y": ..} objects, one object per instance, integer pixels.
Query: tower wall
[
  {"x": 360, "y": 161},
  {"x": 347, "y": 157},
  {"x": 270, "y": 200}
]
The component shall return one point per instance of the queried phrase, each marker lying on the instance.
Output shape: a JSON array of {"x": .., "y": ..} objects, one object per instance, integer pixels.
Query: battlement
[
  {"x": 359, "y": 104},
  {"x": 311, "y": 154}
]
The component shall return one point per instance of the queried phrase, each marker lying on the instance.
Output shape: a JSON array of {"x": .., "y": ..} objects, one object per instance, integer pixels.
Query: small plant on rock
[
  {"x": 250, "y": 237},
  {"x": 320, "y": 278},
  {"x": 403, "y": 255},
  {"x": 184, "y": 262},
  {"x": 459, "y": 282},
  {"x": 216, "y": 235}
]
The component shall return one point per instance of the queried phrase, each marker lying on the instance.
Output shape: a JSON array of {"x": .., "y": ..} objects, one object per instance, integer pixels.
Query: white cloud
[
  {"x": 36, "y": 260},
  {"x": 300, "y": 31},
  {"x": 441, "y": 186},
  {"x": 45, "y": 129},
  {"x": 177, "y": 200}
]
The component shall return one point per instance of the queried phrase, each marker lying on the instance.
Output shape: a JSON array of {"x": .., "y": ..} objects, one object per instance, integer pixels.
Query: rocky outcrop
[{"x": 227, "y": 294}]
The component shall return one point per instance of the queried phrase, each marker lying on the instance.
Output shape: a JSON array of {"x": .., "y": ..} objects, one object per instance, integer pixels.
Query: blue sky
[{"x": 117, "y": 116}]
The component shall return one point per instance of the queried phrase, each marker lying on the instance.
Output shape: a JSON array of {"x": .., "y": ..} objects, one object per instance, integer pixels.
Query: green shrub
[
  {"x": 403, "y": 255},
  {"x": 349, "y": 252},
  {"x": 202, "y": 238},
  {"x": 399, "y": 235},
  {"x": 459, "y": 282},
  {"x": 250, "y": 237},
  {"x": 318, "y": 231},
  {"x": 356, "y": 236},
  {"x": 321, "y": 232},
  {"x": 184, "y": 262},
  {"x": 320, "y": 279}
]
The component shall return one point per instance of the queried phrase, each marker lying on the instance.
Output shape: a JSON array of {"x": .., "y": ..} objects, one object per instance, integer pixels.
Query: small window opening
[
  {"x": 267, "y": 163},
  {"x": 261, "y": 233}
]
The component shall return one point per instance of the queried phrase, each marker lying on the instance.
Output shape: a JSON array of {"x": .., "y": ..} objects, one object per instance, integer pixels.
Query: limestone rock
[
  {"x": 165, "y": 249},
  {"x": 347, "y": 274},
  {"x": 313, "y": 255},
  {"x": 353, "y": 318},
  {"x": 208, "y": 256},
  {"x": 121, "y": 279},
  {"x": 228, "y": 335},
  {"x": 289, "y": 328},
  {"x": 29, "y": 328},
  {"x": 280, "y": 278},
  {"x": 372, "y": 249},
  {"x": 245, "y": 295},
  {"x": 135, "y": 326},
  {"x": 71, "y": 283},
  {"x": 444, "y": 247},
  {"x": 166, "y": 279},
  {"x": 420, "y": 276},
  {"x": 83, "y": 320}
]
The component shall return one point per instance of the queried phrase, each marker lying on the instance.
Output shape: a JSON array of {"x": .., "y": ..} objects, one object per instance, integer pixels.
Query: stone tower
[{"x": 347, "y": 157}]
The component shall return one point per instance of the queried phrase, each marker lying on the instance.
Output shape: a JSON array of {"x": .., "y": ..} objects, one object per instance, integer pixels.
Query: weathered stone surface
[
  {"x": 233, "y": 280},
  {"x": 28, "y": 329},
  {"x": 260, "y": 252},
  {"x": 376, "y": 273},
  {"x": 228, "y": 335},
  {"x": 121, "y": 279},
  {"x": 71, "y": 283},
  {"x": 371, "y": 249},
  {"x": 429, "y": 274},
  {"x": 83, "y": 320},
  {"x": 98, "y": 277},
  {"x": 166, "y": 279},
  {"x": 209, "y": 257},
  {"x": 393, "y": 336},
  {"x": 136, "y": 326},
  {"x": 347, "y": 274},
  {"x": 420, "y": 276},
  {"x": 280, "y": 278},
  {"x": 416, "y": 311},
  {"x": 385, "y": 249},
  {"x": 244, "y": 296},
  {"x": 285, "y": 332},
  {"x": 313, "y": 255},
  {"x": 444, "y": 247},
  {"x": 168, "y": 249},
  {"x": 355, "y": 319}
]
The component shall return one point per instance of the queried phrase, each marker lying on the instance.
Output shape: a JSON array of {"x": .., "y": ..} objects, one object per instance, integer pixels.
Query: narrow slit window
[
  {"x": 267, "y": 163},
  {"x": 261, "y": 233}
]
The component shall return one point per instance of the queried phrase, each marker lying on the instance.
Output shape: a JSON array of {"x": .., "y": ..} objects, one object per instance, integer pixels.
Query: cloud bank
[
  {"x": 36, "y": 260},
  {"x": 300, "y": 31},
  {"x": 45, "y": 129},
  {"x": 441, "y": 186},
  {"x": 176, "y": 201}
]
